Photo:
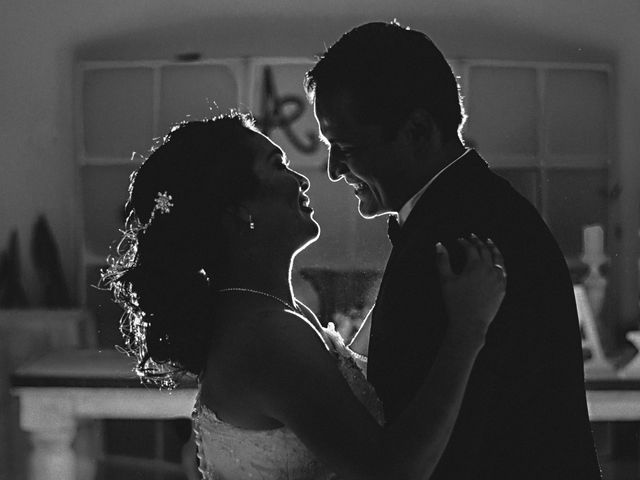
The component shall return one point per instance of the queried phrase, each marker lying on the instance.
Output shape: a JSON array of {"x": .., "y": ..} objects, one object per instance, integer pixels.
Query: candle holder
[
  {"x": 594, "y": 257},
  {"x": 596, "y": 364},
  {"x": 632, "y": 369},
  {"x": 595, "y": 283},
  {"x": 594, "y": 287}
]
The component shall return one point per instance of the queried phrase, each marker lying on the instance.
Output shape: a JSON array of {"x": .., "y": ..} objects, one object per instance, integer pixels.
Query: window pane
[
  {"x": 503, "y": 110},
  {"x": 278, "y": 97},
  {"x": 117, "y": 111},
  {"x": 198, "y": 91},
  {"x": 576, "y": 112},
  {"x": 575, "y": 199},
  {"x": 104, "y": 193}
]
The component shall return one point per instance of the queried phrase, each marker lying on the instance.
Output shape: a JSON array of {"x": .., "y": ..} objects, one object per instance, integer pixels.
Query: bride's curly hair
[{"x": 162, "y": 270}]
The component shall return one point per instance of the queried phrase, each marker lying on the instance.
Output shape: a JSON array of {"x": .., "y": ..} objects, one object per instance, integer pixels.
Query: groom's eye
[{"x": 349, "y": 150}]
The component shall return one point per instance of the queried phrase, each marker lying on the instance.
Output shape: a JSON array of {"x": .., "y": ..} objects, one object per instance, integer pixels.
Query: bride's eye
[
  {"x": 282, "y": 163},
  {"x": 279, "y": 160}
]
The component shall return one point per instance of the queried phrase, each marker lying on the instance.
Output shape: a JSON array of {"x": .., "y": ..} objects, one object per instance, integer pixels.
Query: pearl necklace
[{"x": 258, "y": 292}]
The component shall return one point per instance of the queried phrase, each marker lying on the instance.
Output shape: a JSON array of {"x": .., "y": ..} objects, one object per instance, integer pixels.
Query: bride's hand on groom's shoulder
[{"x": 473, "y": 297}]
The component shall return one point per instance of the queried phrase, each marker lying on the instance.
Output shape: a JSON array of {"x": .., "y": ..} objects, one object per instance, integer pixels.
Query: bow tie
[{"x": 393, "y": 230}]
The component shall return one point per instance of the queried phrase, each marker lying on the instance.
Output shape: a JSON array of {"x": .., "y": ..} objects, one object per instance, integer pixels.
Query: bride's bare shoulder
[
  {"x": 246, "y": 336},
  {"x": 257, "y": 354}
]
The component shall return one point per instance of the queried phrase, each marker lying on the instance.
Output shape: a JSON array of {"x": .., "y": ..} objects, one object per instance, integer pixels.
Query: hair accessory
[
  {"x": 163, "y": 202},
  {"x": 163, "y": 205}
]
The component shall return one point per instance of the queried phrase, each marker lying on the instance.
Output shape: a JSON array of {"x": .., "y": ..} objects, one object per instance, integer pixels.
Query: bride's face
[{"x": 281, "y": 206}]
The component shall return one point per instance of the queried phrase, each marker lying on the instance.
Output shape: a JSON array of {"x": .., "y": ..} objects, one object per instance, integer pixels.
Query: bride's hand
[{"x": 473, "y": 297}]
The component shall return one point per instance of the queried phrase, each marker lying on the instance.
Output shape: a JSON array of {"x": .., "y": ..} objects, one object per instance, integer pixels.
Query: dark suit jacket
[{"x": 524, "y": 415}]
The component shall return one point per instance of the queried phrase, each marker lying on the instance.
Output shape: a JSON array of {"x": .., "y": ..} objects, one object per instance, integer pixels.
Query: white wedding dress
[{"x": 226, "y": 452}]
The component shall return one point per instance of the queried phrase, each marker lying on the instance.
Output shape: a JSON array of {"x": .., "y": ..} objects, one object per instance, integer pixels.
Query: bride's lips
[
  {"x": 358, "y": 187},
  {"x": 304, "y": 202}
]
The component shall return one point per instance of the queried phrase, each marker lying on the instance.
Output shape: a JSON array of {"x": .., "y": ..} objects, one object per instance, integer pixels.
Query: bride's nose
[{"x": 303, "y": 181}]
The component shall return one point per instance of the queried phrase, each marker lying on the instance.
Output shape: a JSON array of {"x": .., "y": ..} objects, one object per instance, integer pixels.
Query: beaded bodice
[{"x": 227, "y": 452}]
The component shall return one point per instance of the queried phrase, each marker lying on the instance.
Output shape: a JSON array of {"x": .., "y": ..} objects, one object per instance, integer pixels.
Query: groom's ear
[{"x": 420, "y": 130}]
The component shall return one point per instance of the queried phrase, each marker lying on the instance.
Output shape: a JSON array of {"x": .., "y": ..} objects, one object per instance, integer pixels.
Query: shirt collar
[{"x": 404, "y": 212}]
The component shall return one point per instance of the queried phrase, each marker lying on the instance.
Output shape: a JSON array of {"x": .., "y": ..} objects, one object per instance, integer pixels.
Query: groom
[{"x": 387, "y": 105}]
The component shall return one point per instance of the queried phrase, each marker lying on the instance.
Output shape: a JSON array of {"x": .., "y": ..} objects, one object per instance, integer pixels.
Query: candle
[{"x": 593, "y": 237}]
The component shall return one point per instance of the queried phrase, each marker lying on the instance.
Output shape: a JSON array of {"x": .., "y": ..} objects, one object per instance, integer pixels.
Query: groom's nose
[{"x": 336, "y": 168}]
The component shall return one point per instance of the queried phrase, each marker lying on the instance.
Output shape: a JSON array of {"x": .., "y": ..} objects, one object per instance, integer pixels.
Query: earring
[{"x": 252, "y": 226}]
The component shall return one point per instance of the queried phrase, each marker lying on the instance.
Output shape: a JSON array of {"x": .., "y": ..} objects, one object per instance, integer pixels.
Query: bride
[{"x": 215, "y": 218}]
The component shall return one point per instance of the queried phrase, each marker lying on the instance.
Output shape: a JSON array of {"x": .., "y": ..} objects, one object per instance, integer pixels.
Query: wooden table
[
  {"x": 613, "y": 399},
  {"x": 62, "y": 388}
]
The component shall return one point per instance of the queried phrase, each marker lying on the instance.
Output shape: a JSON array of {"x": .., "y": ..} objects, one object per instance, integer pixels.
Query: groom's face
[{"x": 361, "y": 155}]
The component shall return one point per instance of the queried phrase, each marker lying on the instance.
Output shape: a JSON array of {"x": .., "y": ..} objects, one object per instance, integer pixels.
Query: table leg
[
  {"x": 52, "y": 455},
  {"x": 52, "y": 427}
]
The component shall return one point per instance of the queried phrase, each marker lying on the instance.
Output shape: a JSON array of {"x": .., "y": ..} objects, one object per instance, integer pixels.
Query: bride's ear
[{"x": 237, "y": 217}]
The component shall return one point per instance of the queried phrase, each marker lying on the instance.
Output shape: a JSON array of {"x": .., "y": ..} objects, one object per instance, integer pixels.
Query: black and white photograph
[{"x": 320, "y": 240}]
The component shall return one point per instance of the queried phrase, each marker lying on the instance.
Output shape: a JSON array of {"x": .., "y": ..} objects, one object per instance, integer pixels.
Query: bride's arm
[{"x": 297, "y": 382}]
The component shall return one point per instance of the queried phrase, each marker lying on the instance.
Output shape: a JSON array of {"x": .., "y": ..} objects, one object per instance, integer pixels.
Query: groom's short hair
[{"x": 389, "y": 70}]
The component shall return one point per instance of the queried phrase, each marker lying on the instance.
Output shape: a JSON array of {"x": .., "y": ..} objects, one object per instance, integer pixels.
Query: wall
[{"x": 42, "y": 40}]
